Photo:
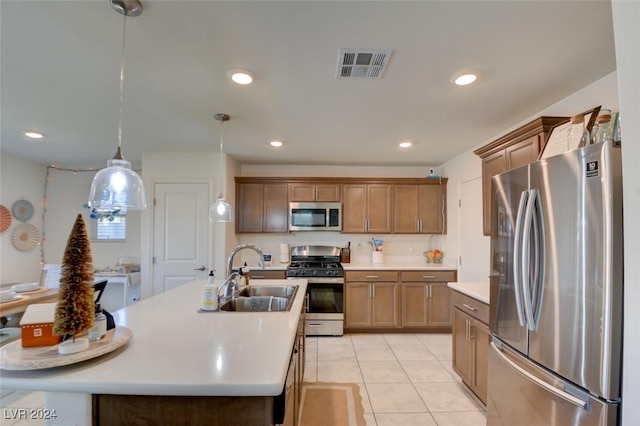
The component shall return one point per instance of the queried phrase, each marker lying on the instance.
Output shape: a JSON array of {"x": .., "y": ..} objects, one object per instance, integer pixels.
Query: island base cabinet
[{"x": 133, "y": 410}]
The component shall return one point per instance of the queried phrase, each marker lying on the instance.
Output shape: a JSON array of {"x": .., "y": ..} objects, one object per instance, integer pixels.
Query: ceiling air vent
[{"x": 362, "y": 63}]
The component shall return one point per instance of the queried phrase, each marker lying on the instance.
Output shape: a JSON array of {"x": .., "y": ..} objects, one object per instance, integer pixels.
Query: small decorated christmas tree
[{"x": 75, "y": 311}]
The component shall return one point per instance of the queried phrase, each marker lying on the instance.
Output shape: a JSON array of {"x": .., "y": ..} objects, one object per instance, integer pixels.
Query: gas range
[
  {"x": 320, "y": 265},
  {"x": 315, "y": 268}
]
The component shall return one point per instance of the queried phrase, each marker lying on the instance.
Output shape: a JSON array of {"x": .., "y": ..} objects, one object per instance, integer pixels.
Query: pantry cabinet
[
  {"x": 471, "y": 339},
  {"x": 426, "y": 299},
  {"x": 419, "y": 209},
  {"x": 371, "y": 299},
  {"x": 515, "y": 149},
  {"x": 367, "y": 208},
  {"x": 262, "y": 207},
  {"x": 322, "y": 192}
]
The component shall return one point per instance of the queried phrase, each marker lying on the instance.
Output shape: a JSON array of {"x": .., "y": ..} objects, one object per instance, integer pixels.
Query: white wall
[
  {"x": 20, "y": 179},
  {"x": 66, "y": 193},
  {"x": 468, "y": 166},
  {"x": 626, "y": 16}
]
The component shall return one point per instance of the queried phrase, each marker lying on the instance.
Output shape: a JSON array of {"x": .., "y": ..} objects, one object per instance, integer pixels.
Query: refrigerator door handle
[
  {"x": 544, "y": 385},
  {"x": 517, "y": 265},
  {"x": 527, "y": 270},
  {"x": 539, "y": 263}
]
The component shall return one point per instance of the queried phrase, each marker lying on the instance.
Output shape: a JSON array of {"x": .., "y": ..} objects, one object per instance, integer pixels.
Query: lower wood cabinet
[
  {"x": 398, "y": 300},
  {"x": 267, "y": 274},
  {"x": 426, "y": 299},
  {"x": 471, "y": 338},
  {"x": 371, "y": 299}
]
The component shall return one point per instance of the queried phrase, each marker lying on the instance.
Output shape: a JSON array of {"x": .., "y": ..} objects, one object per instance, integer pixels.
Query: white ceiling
[{"x": 60, "y": 75}]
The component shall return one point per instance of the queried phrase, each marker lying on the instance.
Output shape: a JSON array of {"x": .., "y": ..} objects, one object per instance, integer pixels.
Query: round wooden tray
[{"x": 14, "y": 357}]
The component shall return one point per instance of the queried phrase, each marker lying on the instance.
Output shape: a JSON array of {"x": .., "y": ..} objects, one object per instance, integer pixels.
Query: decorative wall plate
[
  {"x": 25, "y": 237},
  {"x": 5, "y": 218},
  {"x": 22, "y": 210}
]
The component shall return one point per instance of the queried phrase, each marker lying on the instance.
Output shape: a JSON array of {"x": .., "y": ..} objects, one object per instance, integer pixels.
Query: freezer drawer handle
[{"x": 546, "y": 386}]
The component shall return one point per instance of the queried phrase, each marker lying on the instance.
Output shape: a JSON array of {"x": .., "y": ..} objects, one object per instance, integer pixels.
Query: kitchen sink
[
  {"x": 257, "y": 304},
  {"x": 287, "y": 291}
]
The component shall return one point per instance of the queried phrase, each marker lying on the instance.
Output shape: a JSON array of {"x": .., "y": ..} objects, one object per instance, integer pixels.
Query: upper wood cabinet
[
  {"x": 512, "y": 150},
  {"x": 367, "y": 208},
  {"x": 369, "y": 205},
  {"x": 329, "y": 192},
  {"x": 261, "y": 207},
  {"x": 419, "y": 209}
]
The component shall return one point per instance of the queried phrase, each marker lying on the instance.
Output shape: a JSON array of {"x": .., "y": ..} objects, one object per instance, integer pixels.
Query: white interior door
[
  {"x": 181, "y": 234},
  {"x": 474, "y": 247}
]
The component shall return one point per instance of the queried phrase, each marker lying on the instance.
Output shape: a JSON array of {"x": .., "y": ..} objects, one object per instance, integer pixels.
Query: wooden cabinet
[
  {"x": 426, "y": 298},
  {"x": 367, "y": 208},
  {"x": 471, "y": 343},
  {"x": 512, "y": 150},
  {"x": 419, "y": 209},
  {"x": 371, "y": 299},
  {"x": 369, "y": 205},
  {"x": 328, "y": 192},
  {"x": 261, "y": 207},
  {"x": 267, "y": 274}
]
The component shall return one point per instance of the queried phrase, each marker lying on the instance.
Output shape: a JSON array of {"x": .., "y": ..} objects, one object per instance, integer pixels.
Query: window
[{"x": 110, "y": 229}]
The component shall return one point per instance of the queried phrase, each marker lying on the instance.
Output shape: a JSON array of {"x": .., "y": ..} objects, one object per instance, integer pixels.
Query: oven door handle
[{"x": 306, "y": 302}]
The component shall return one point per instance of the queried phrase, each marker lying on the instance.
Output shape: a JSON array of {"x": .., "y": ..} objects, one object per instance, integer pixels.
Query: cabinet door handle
[
  {"x": 373, "y": 291},
  {"x": 429, "y": 277},
  {"x": 426, "y": 291},
  {"x": 471, "y": 327},
  {"x": 469, "y": 307},
  {"x": 466, "y": 329},
  {"x": 420, "y": 225}
]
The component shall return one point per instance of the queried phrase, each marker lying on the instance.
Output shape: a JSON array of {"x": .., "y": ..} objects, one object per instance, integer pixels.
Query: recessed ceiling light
[
  {"x": 276, "y": 144},
  {"x": 33, "y": 135},
  {"x": 405, "y": 144},
  {"x": 241, "y": 75},
  {"x": 464, "y": 77}
]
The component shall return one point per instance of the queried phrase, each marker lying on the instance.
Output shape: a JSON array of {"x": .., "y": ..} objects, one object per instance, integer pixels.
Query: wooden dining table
[{"x": 41, "y": 295}]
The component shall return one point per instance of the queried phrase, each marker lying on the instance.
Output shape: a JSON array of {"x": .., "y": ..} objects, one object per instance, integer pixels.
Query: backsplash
[{"x": 401, "y": 248}]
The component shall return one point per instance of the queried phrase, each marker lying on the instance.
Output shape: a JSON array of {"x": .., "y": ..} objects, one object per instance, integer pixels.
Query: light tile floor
[{"x": 404, "y": 379}]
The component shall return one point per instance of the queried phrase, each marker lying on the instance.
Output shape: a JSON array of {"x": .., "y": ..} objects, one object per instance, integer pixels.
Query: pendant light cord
[
  {"x": 222, "y": 177},
  {"x": 122, "y": 61}
]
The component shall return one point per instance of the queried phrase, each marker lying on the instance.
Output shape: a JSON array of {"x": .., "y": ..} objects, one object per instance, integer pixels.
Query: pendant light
[
  {"x": 118, "y": 187},
  {"x": 221, "y": 211}
]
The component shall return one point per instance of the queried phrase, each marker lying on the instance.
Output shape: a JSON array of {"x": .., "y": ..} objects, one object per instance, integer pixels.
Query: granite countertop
[
  {"x": 177, "y": 351},
  {"x": 477, "y": 290}
]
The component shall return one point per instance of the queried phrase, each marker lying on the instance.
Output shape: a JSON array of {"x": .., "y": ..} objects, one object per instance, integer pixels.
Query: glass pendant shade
[
  {"x": 221, "y": 211},
  {"x": 117, "y": 187}
]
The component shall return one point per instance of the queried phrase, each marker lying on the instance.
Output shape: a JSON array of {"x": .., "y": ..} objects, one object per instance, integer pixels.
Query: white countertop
[
  {"x": 477, "y": 290},
  {"x": 177, "y": 351},
  {"x": 398, "y": 266}
]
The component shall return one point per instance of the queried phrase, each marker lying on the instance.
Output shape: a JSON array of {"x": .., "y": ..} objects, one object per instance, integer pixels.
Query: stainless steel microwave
[{"x": 315, "y": 217}]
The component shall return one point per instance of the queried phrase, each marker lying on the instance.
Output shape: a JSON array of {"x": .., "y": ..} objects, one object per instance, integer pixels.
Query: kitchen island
[{"x": 176, "y": 352}]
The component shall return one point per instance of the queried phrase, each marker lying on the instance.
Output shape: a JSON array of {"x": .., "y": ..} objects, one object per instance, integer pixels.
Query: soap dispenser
[{"x": 210, "y": 294}]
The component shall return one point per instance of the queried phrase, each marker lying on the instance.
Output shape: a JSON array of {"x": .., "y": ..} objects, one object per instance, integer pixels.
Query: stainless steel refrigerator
[{"x": 556, "y": 291}]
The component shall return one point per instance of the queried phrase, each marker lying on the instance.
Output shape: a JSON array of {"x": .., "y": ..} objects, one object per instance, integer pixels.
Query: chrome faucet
[
  {"x": 243, "y": 247},
  {"x": 229, "y": 288}
]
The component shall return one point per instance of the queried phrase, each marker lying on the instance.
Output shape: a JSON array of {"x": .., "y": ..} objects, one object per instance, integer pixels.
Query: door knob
[{"x": 202, "y": 268}]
